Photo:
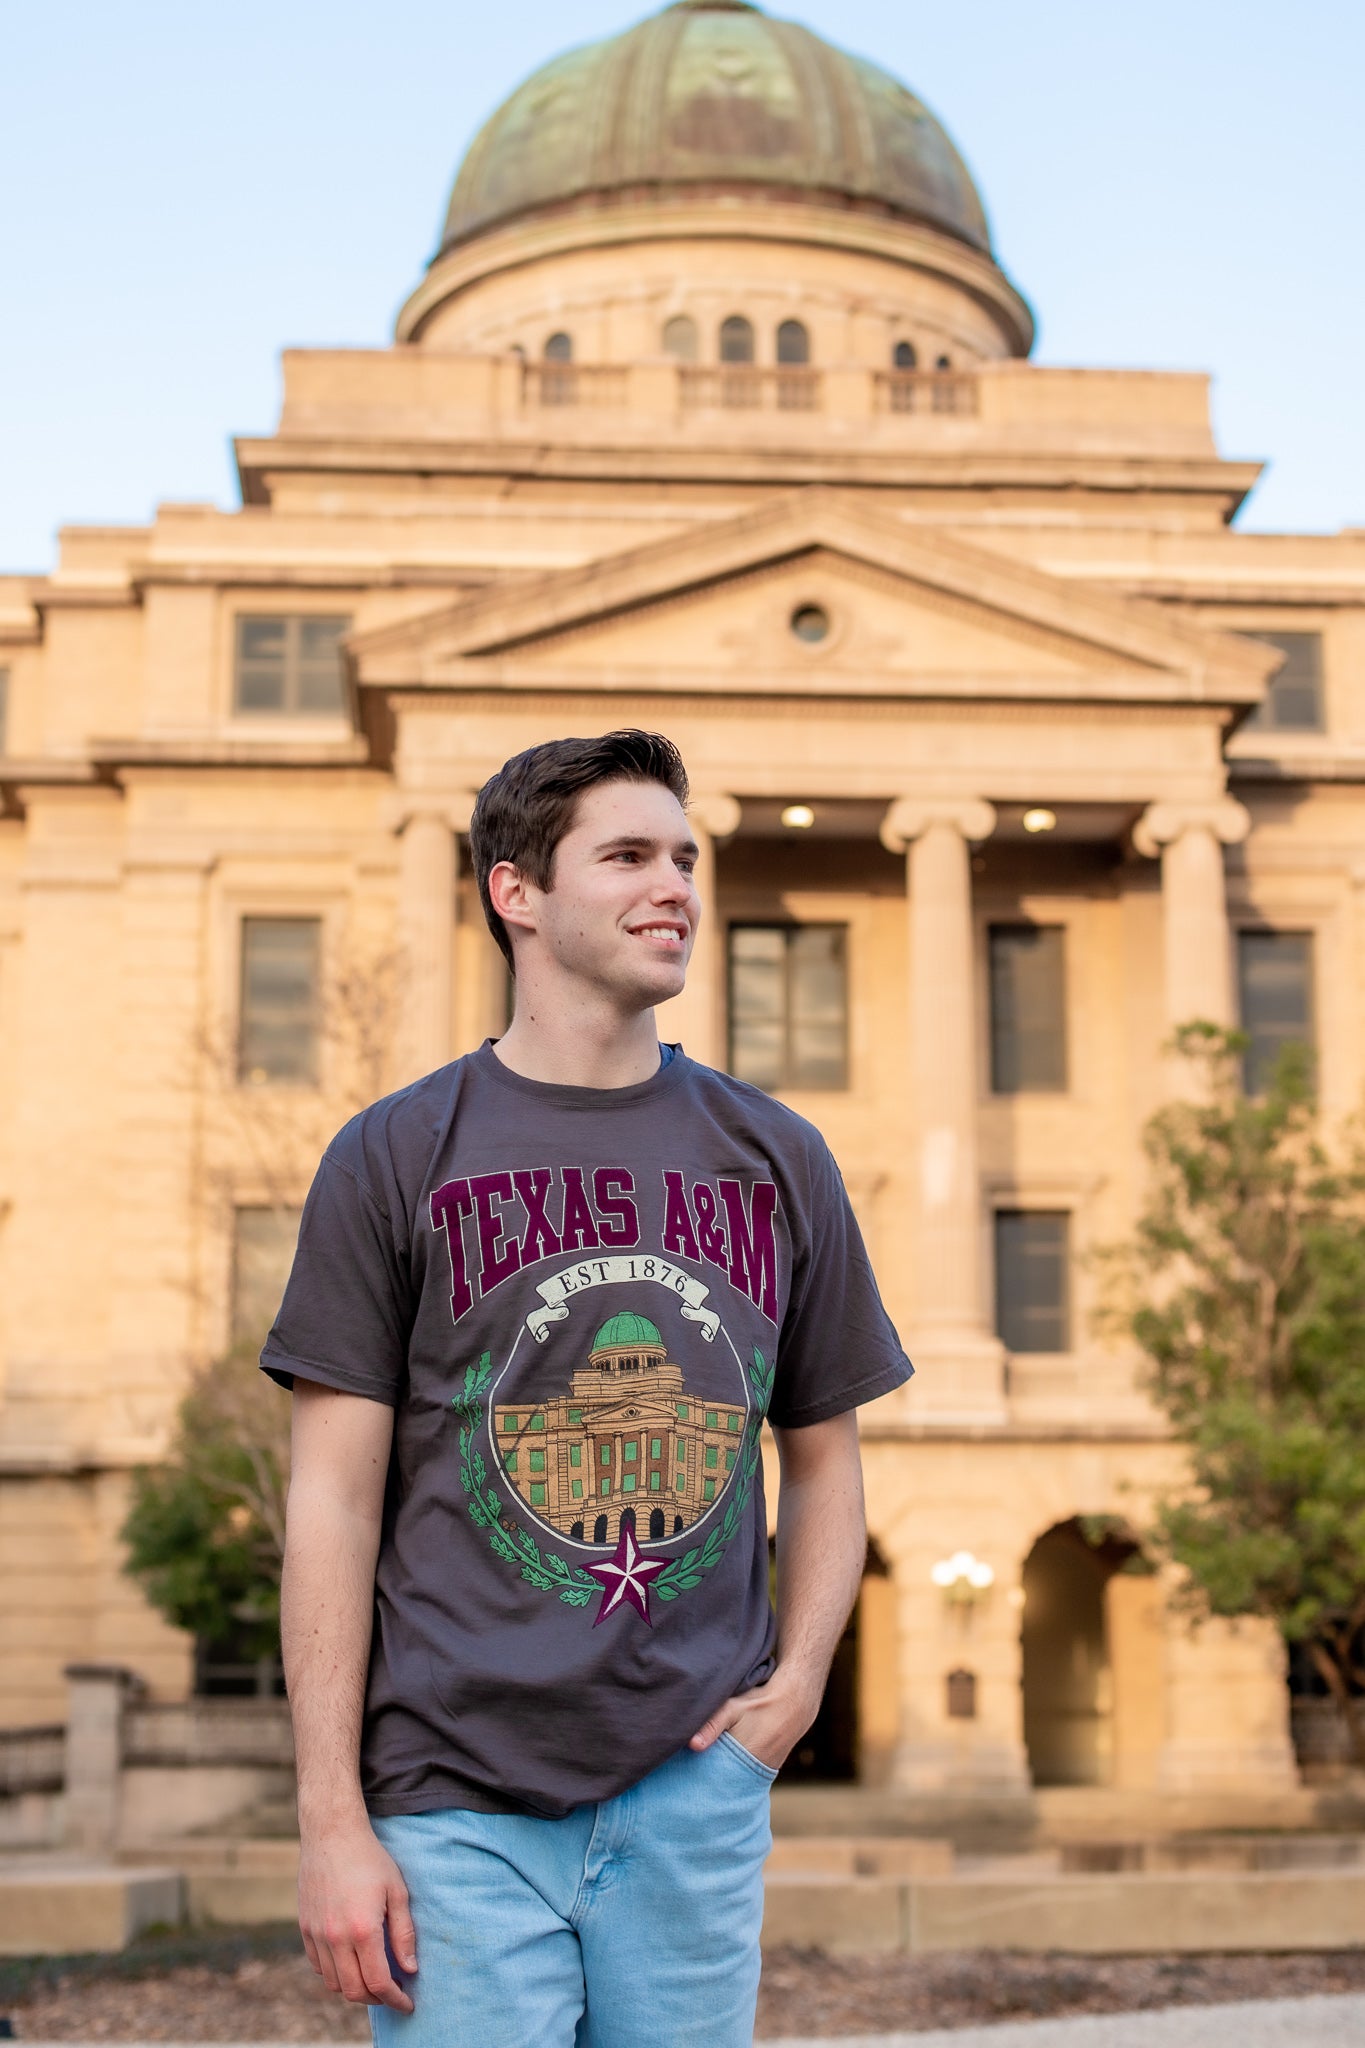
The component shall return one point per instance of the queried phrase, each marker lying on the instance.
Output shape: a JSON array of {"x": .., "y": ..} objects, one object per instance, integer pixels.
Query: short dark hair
[{"x": 523, "y": 811}]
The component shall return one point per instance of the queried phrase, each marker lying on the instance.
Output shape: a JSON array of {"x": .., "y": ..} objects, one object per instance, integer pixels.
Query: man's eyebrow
[{"x": 641, "y": 842}]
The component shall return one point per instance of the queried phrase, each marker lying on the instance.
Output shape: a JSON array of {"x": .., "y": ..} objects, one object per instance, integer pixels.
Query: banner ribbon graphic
[{"x": 633, "y": 1267}]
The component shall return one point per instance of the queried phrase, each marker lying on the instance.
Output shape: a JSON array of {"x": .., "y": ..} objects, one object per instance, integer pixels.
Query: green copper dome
[
  {"x": 710, "y": 95},
  {"x": 626, "y": 1329}
]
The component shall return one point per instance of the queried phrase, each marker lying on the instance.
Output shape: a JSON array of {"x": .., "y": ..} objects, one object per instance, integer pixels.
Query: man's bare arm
[
  {"x": 821, "y": 1550},
  {"x": 349, "y": 1886}
]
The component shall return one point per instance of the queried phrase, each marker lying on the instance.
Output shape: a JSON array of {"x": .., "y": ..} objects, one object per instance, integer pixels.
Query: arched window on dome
[
  {"x": 559, "y": 348},
  {"x": 680, "y": 338},
  {"x": 903, "y": 356},
  {"x": 793, "y": 342},
  {"x": 943, "y": 362},
  {"x": 736, "y": 340}
]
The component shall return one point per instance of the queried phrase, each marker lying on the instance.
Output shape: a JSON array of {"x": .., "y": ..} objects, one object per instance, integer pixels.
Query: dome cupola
[
  {"x": 704, "y": 140},
  {"x": 706, "y": 95}
]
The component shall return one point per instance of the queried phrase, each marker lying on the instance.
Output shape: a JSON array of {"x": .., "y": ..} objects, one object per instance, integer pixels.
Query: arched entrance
[
  {"x": 852, "y": 1736},
  {"x": 1092, "y": 1665}
]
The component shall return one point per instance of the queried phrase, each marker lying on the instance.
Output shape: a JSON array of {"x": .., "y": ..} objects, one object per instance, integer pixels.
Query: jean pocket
[{"x": 746, "y": 1756}]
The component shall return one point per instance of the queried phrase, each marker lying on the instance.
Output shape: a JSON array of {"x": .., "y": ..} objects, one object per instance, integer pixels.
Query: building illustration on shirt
[{"x": 627, "y": 1435}]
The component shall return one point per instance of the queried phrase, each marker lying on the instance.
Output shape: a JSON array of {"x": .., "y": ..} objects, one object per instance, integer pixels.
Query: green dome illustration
[{"x": 626, "y": 1329}]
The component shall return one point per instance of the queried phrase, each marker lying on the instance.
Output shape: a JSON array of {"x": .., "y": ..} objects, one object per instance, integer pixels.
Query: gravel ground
[{"x": 257, "y": 1987}]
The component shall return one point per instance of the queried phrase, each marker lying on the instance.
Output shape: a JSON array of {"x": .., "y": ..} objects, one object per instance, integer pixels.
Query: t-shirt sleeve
[
  {"x": 838, "y": 1347},
  {"x": 347, "y": 1311}
]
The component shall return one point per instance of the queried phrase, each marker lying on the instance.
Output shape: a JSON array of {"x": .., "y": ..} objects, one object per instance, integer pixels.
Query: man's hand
[
  {"x": 769, "y": 1721},
  {"x": 350, "y": 1889},
  {"x": 821, "y": 1548}
]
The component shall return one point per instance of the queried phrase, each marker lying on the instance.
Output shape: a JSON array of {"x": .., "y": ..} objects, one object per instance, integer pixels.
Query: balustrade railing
[
  {"x": 574, "y": 383},
  {"x": 747, "y": 386},
  {"x": 926, "y": 391}
]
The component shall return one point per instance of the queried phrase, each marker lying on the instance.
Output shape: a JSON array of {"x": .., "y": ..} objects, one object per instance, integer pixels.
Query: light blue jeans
[{"x": 631, "y": 1924}]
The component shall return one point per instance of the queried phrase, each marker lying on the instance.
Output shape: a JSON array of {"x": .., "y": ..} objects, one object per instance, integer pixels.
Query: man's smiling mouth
[{"x": 661, "y": 934}]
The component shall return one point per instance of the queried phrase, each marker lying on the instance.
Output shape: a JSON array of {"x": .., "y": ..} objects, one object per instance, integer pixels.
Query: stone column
[
  {"x": 428, "y": 872},
  {"x": 696, "y": 1018},
  {"x": 1189, "y": 838},
  {"x": 952, "y": 1342},
  {"x": 94, "y": 1753}
]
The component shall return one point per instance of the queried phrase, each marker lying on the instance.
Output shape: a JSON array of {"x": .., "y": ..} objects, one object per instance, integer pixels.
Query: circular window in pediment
[{"x": 810, "y": 622}]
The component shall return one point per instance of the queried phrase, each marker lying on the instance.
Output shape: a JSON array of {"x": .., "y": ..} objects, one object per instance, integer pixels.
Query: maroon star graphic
[{"x": 625, "y": 1576}]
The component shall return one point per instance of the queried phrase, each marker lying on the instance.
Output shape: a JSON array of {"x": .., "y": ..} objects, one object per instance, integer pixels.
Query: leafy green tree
[
  {"x": 1244, "y": 1286},
  {"x": 205, "y": 1529}
]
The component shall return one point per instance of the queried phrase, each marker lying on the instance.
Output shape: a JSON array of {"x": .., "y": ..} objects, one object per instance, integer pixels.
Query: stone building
[
  {"x": 713, "y": 413},
  {"x": 627, "y": 1439}
]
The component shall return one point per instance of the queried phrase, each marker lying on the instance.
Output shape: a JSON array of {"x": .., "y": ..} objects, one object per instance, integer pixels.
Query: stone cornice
[{"x": 689, "y": 458}]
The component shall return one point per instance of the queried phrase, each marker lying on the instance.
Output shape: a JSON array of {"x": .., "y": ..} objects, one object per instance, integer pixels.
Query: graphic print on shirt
[{"x": 624, "y": 1415}]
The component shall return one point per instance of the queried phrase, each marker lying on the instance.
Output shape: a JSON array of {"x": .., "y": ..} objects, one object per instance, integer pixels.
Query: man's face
[{"x": 622, "y": 910}]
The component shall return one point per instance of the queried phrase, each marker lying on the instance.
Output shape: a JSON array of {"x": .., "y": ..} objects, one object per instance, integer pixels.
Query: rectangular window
[
  {"x": 629, "y": 1451},
  {"x": 538, "y": 1493},
  {"x": 655, "y": 1481},
  {"x": 729, "y": 1461},
  {"x": 682, "y": 1411},
  {"x": 1032, "y": 1279},
  {"x": 537, "y": 1422},
  {"x": 628, "y": 1483},
  {"x": 713, "y": 1418},
  {"x": 789, "y": 1005},
  {"x": 1028, "y": 1008},
  {"x": 680, "y": 1484},
  {"x": 509, "y": 1422},
  {"x": 4, "y": 710},
  {"x": 605, "y": 1488},
  {"x": 1275, "y": 995},
  {"x": 281, "y": 968},
  {"x": 510, "y": 1460},
  {"x": 537, "y": 1461},
  {"x": 262, "y": 1253},
  {"x": 575, "y": 1415},
  {"x": 656, "y": 1449},
  {"x": 1294, "y": 697},
  {"x": 575, "y": 1454},
  {"x": 606, "y": 1454},
  {"x": 289, "y": 663},
  {"x": 576, "y": 1487},
  {"x": 733, "y": 1422},
  {"x": 708, "y": 1491},
  {"x": 712, "y": 1457}
]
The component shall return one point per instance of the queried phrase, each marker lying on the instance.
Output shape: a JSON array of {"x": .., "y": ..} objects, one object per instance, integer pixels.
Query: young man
[{"x": 542, "y": 1302}]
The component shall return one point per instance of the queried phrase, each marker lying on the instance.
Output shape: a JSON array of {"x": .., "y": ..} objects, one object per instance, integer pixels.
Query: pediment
[{"x": 909, "y": 614}]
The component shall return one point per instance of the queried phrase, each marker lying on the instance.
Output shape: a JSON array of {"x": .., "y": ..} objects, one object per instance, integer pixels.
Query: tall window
[
  {"x": 262, "y": 1253},
  {"x": 789, "y": 1005},
  {"x": 281, "y": 965},
  {"x": 736, "y": 340},
  {"x": 1028, "y": 1008},
  {"x": 1032, "y": 1279},
  {"x": 793, "y": 343},
  {"x": 1275, "y": 990},
  {"x": 289, "y": 662},
  {"x": 903, "y": 356},
  {"x": 1293, "y": 700},
  {"x": 680, "y": 337},
  {"x": 4, "y": 710},
  {"x": 559, "y": 348}
]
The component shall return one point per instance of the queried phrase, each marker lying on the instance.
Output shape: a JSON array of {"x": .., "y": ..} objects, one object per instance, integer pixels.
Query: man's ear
[{"x": 512, "y": 896}]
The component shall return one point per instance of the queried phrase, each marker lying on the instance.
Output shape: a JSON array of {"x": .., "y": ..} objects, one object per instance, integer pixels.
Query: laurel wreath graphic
[{"x": 549, "y": 1572}]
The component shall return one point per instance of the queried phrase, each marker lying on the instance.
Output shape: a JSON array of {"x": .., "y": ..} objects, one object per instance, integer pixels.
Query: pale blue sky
[{"x": 189, "y": 188}]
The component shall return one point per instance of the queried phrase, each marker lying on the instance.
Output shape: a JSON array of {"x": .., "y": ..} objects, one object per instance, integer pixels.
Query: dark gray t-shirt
[{"x": 581, "y": 1303}]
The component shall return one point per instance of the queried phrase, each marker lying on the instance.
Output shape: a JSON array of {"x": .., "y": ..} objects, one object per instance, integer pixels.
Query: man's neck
[{"x": 584, "y": 1049}]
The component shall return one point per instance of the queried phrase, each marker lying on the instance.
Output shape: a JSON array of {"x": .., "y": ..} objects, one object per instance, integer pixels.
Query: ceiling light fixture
[
  {"x": 798, "y": 816},
  {"x": 1040, "y": 820}
]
